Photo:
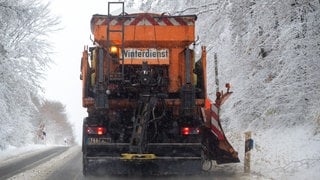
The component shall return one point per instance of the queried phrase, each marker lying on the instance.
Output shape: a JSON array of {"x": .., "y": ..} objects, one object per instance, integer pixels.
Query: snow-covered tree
[
  {"x": 270, "y": 51},
  {"x": 24, "y": 57},
  {"x": 54, "y": 121}
]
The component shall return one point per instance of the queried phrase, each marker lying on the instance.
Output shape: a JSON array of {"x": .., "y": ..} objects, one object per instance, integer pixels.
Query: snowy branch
[{"x": 24, "y": 57}]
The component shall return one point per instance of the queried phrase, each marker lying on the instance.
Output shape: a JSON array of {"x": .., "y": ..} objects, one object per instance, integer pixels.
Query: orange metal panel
[
  {"x": 175, "y": 78},
  {"x": 149, "y": 36},
  {"x": 84, "y": 71},
  {"x": 150, "y": 62}
]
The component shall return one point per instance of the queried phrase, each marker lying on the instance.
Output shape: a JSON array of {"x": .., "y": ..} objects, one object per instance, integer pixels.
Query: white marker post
[{"x": 248, "y": 146}]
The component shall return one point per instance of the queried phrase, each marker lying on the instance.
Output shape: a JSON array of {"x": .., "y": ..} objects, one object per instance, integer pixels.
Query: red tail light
[
  {"x": 189, "y": 130},
  {"x": 185, "y": 131},
  {"x": 96, "y": 130}
]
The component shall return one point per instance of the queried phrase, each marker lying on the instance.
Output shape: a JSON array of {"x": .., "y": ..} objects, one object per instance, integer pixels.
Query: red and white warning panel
[
  {"x": 219, "y": 144},
  {"x": 145, "y": 30},
  {"x": 146, "y": 19},
  {"x": 215, "y": 122}
]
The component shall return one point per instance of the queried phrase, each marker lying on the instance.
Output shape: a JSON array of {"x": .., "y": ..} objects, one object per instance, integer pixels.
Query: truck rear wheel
[{"x": 206, "y": 163}]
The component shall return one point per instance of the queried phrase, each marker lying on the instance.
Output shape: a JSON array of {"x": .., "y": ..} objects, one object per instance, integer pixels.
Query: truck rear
[{"x": 145, "y": 95}]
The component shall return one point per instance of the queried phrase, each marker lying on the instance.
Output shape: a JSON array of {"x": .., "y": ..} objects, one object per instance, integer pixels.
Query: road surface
[
  {"x": 21, "y": 164},
  {"x": 66, "y": 163}
]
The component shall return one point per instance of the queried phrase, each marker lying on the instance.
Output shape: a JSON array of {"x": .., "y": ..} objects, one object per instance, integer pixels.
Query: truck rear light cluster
[
  {"x": 96, "y": 130},
  {"x": 189, "y": 130}
]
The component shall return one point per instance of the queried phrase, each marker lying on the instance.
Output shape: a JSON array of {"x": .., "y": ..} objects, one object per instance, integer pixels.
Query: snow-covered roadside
[
  {"x": 44, "y": 170},
  {"x": 290, "y": 153},
  {"x": 293, "y": 153}
]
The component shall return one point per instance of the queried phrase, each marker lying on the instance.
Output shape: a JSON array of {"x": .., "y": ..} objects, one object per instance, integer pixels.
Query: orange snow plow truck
[{"x": 146, "y": 97}]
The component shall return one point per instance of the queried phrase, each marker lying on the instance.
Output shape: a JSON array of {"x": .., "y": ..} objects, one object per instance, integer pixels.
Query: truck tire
[{"x": 206, "y": 163}]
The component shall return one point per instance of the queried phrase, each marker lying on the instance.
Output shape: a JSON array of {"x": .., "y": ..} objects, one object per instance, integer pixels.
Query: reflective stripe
[
  {"x": 215, "y": 125},
  {"x": 146, "y": 20}
]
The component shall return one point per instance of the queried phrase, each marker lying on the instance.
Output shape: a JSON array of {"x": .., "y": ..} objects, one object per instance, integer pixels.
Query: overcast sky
[{"x": 63, "y": 83}]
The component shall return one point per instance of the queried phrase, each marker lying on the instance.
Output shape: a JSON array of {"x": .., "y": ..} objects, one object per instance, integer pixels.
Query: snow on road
[
  {"x": 44, "y": 170},
  {"x": 13, "y": 153}
]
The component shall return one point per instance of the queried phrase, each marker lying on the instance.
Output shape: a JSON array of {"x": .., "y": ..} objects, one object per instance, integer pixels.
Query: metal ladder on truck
[{"x": 120, "y": 18}]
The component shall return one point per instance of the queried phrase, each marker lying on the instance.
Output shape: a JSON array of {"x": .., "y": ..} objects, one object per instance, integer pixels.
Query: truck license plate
[{"x": 98, "y": 141}]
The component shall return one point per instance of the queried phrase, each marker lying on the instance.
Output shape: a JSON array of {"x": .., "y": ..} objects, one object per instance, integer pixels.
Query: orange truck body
[
  {"x": 141, "y": 75},
  {"x": 150, "y": 31}
]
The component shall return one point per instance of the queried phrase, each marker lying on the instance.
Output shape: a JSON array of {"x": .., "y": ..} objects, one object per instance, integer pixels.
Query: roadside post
[{"x": 248, "y": 146}]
